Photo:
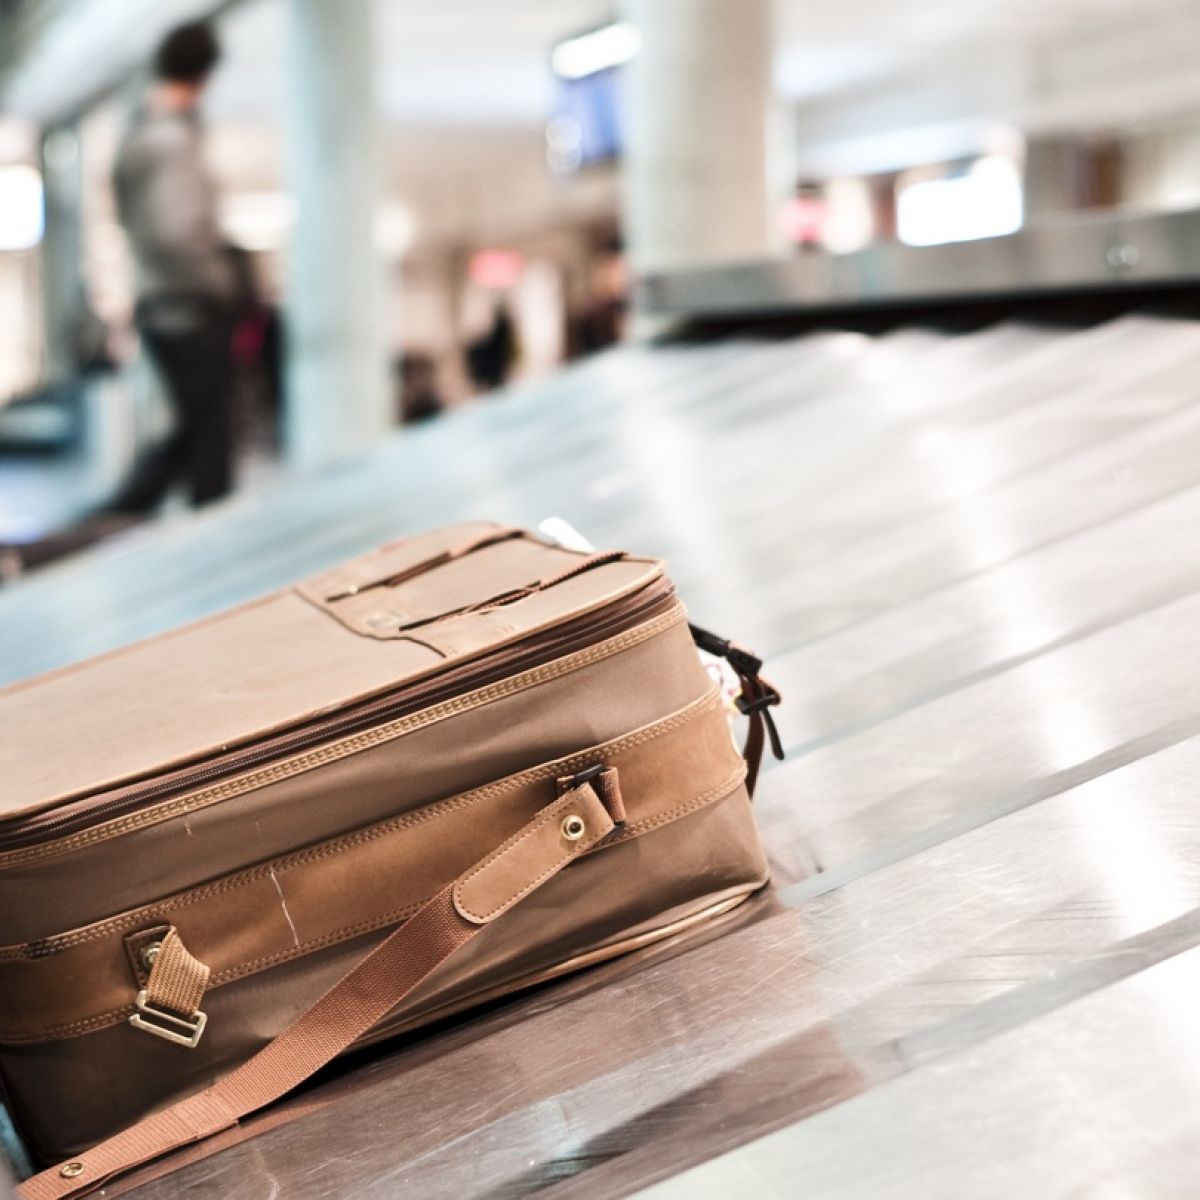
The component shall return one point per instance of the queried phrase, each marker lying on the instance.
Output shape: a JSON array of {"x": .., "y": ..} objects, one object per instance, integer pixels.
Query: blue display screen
[{"x": 593, "y": 105}]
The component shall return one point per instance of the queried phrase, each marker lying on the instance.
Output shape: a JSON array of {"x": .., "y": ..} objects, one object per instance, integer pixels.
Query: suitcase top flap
[{"x": 395, "y": 616}]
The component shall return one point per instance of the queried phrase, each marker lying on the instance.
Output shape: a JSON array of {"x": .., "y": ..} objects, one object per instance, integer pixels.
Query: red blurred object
[
  {"x": 247, "y": 342},
  {"x": 802, "y": 219},
  {"x": 496, "y": 268}
]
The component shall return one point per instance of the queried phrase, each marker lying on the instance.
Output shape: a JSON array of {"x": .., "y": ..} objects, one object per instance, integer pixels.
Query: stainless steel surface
[
  {"x": 1103, "y": 1125},
  {"x": 972, "y": 564},
  {"x": 1112, "y": 249}
]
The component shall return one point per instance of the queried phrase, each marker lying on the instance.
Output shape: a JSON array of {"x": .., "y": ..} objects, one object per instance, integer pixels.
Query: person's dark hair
[{"x": 187, "y": 54}]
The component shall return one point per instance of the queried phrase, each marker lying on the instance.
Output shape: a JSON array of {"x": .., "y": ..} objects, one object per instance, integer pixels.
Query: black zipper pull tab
[{"x": 745, "y": 662}]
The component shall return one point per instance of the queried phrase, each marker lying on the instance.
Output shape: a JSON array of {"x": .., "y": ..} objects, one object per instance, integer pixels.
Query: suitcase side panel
[
  {"x": 69, "y": 1094},
  {"x": 595, "y": 703},
  {"x": 291, "y": 905}
]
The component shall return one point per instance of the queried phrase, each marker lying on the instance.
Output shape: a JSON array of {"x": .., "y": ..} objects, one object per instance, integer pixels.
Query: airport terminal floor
[{"x": 966, "y": 560}]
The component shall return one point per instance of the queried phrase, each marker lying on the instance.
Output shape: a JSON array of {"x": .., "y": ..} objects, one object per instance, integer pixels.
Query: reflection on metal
[{"x": 1109, "y": 250}]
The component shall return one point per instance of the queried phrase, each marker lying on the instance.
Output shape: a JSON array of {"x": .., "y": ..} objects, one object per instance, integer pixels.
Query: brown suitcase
[{"x": 462, "y": 764}]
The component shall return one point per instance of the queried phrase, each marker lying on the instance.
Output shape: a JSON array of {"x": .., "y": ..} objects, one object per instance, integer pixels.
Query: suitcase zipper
[{"x": 622, "y": 614}]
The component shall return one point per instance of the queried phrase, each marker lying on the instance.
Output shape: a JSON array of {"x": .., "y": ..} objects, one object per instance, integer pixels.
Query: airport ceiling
[{"x": 486, "y": 61}]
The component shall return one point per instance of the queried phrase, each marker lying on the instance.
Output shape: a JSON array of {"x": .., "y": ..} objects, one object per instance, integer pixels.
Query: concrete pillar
[
  {"x": 694, "y": 173},
  {"x": 62, "y": 248},
  {"x": 782, "y": 171},
  {"x": 337, "y": 393}
]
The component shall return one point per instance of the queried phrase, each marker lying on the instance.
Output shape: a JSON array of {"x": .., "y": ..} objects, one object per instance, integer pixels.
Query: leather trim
[
  {"x": 354, "y": 884},
  {"x": 530, "y": 857}
]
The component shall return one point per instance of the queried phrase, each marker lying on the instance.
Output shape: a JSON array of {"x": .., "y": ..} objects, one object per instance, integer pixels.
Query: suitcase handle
[
  {"x": 575, "y": 822},
  {"x": 336, "y": 592},
  {"x": 514, "y": 594},
  {"x": 395, "y": 576}
]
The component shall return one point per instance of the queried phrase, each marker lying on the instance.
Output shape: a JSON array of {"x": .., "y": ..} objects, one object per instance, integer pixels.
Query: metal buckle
[
  {"x": 766, "y": 699},
  {"x": 587, "y": 775},
  {"x": 591, "y": 775},
  {"x": 168, "y": 1025}
]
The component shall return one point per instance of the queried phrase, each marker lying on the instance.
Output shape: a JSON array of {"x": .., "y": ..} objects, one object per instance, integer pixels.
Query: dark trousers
[{"x": 197, "y": 371}]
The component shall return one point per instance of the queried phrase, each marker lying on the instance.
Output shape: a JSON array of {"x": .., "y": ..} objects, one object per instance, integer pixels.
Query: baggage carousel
[{"x": 971, "y": 561}]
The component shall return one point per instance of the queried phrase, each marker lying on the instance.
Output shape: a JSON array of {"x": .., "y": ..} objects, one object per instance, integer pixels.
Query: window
[{"x": 983, "y": 201}]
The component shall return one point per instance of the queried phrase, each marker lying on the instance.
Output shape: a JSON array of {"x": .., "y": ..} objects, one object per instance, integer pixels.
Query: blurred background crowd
[{"x": 402, "y": 206}]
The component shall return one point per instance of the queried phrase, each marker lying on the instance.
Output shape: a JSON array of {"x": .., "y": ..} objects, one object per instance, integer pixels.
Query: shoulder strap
[{"x": 563, "y": 830}]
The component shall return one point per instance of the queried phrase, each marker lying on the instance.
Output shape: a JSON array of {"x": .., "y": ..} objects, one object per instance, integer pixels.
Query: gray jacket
[{"x": 167, "y": 202}]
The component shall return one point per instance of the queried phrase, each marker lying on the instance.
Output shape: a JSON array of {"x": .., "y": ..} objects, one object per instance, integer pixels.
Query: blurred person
[
  {"x": 806, "y": 216},
  {"x": 603, "y": 319},
  {"x": 491, "y": 356},
  {"x": 420, "y": 398},
  {"x": 185, "y": 284},
  {"x": 256, "y": 353}
]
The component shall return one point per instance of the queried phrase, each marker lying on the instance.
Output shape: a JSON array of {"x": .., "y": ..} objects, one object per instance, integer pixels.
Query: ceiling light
[{"x": 609, "y": 46}]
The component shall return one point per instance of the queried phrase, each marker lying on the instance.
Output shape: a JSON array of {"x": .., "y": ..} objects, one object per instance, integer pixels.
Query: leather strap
[
  {"x": 560, "y": 833},
  {"x": 757, "y": 698},
  {"x": 755, "y": 702}
]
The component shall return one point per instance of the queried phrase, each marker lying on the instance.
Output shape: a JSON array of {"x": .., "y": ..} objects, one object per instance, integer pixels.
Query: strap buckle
[
  {"x": 758, "y": 696},
  {"x": 767, "y": 698},
  {"x": 587, "y": 775},
  {"x": 183, "y": 1031},
  {"x": 758, "y": 700}
]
